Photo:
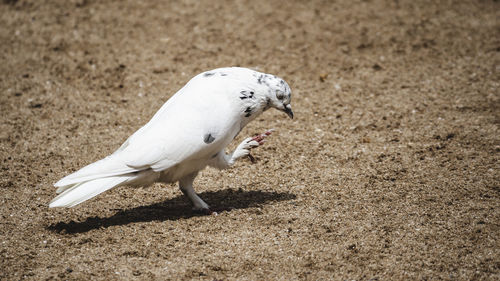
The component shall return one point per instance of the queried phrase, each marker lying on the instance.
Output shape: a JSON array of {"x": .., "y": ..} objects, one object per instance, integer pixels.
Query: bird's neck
[{"x": 251, "y": 108}]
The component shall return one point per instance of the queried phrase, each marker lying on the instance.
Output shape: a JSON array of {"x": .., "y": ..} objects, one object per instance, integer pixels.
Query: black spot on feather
[
  {"x": 268, "y": 104},
  {"x": 260, "y": 79},
  {"x": 246, "y": 95},
  {"x": 223, "y": 74},
  {"x": 208, "y": 138},
  {"x": 208, "y": 74},
  {"x": 248, "y": 112}
]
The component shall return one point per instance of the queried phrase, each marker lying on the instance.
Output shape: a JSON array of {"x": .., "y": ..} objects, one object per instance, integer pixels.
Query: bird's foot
[
  {"x": 206, "y": 212},
  {"x": 260, "y": 139},
  {"x": 246, "y": 145},
  {"x": 211, "y": 211}
]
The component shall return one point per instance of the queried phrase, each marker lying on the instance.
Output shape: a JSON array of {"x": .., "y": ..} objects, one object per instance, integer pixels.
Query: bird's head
[{"x": 279, "y": 95}]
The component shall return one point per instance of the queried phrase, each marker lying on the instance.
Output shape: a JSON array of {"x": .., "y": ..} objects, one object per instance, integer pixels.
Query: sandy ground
[{"x": 390, "y": 169}]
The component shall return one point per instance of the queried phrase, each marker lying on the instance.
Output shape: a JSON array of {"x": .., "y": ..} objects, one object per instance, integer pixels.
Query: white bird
[{"x": 189, "y": 132}]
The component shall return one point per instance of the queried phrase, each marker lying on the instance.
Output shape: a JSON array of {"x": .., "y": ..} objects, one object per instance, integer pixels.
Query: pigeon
[{"x": 188, "y": 133}]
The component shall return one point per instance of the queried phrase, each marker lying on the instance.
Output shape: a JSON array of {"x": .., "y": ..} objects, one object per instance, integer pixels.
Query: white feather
[
  {"x": 107, "y": 167},
  {"x": 171, "y": 145},
  {"x": 83, "y": 191}
]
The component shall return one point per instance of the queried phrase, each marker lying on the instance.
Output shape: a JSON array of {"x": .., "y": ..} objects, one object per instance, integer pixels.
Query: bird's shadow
[{"x": 174, "y": 209}]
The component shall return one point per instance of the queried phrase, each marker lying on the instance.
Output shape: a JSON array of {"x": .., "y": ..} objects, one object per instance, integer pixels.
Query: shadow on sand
[{"x": 173, "y": 209}]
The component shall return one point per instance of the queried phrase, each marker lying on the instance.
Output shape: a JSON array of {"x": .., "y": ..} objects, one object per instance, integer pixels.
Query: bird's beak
[{"x": 288, "y": 111}]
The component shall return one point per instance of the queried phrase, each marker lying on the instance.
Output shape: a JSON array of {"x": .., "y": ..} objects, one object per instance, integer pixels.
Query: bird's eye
[{"x": 280, "y": 95}]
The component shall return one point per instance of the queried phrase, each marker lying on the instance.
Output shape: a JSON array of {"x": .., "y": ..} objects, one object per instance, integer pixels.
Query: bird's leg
[
  {"x": 186, "y": 186},
  {"x": 245, "y": 146}
]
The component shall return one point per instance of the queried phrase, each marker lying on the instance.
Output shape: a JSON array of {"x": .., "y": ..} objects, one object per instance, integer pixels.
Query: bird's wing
[
  {"x": 199, "y": 122},
  {"x": 195, "y": 123}
]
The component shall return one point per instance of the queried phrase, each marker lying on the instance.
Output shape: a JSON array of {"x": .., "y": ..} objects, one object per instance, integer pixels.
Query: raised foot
[
  {"x": 243, "y": 149},
  {"x": 262, "y": 137},
  {"x": 257, "y": 141}
]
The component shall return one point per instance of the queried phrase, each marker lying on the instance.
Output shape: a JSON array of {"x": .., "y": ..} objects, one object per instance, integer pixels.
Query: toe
[
  {"x": 204, "y": 211},
  {"x": 253, "y": 143}
]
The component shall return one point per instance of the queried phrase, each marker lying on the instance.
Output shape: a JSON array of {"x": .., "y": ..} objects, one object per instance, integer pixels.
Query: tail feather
[
  {"x": 107, "y": 167},
  {"x": 75, "y": 194}
]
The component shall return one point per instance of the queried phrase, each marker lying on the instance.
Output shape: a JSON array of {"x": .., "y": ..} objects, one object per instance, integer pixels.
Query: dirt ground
[{"x": 390, "y": 169}]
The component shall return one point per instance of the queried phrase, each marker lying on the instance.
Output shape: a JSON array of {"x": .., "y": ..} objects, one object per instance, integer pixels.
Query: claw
[
  {"x": 268, "y": 132},
  {"x": 260, "y": 138},
  {"x": 252, "y": 159},
  {"x": 257, "y": 140},
  {"x": 206, "y": 212},
  {"x": 213, "y": 211}
]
